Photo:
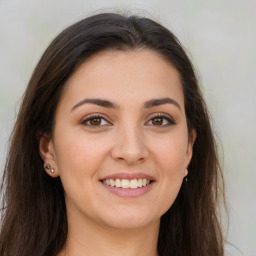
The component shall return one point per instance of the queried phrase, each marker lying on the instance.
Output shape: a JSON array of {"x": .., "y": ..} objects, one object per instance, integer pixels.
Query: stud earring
[
  {"x": 186, "y": 178},
  {"x": 48, "y": 167}
]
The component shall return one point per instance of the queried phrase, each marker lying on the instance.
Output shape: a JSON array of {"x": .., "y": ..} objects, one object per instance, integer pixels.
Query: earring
[
  {"x": 186, "y": 178},
  {"x": 48, "y": 167}
]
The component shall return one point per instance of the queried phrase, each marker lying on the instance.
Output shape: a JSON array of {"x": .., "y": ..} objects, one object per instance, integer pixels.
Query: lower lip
[{"x": 129, "y": 192}]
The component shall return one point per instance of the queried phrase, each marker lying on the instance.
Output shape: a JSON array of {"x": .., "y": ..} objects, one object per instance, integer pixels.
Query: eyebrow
[
  {"x": 99, "y": 102},
  {"x": 109, "y": 104},
  {"x": 157, "y": 102}
]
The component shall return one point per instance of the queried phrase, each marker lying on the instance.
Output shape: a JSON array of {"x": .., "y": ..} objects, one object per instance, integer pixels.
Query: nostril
[{"x": 130, "y": 150}]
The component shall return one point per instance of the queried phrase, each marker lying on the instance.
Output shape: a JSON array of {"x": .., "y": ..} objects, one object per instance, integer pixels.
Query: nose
[{"x": 129, "y": 146}]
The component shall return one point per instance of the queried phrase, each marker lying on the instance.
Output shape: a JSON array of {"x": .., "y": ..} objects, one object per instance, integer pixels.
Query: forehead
[{"x": 124, "y": 76}]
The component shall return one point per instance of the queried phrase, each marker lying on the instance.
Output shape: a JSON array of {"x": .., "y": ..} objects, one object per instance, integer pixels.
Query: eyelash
[
  {"x": 94, "y": 116},
  {"x": 167, "y": 118}
]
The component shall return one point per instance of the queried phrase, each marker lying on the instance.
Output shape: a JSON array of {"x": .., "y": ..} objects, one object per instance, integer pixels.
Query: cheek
[
  {"x": 78, "y": 157},
  {"x": 79, "y": 160},
  {"x": 171, "y": 165},
  {"x": 170, "y": 159},
  {"x": 170, "y": 154}
]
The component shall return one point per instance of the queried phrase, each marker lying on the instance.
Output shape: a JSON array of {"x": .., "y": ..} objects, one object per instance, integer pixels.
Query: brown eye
[
  {"x": 157, "y": 121},
  {"x": 95, "y": 121},
  {"x": 161, "y": 121}
]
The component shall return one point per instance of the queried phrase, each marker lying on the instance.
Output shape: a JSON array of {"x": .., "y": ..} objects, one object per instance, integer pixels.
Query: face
[{"x": 120, "y": 143}]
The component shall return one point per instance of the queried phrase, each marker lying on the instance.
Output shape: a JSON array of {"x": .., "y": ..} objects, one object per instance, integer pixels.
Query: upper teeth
[{"x": 125, "y": 183}]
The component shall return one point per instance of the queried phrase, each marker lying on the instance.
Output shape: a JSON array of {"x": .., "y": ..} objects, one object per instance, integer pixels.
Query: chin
[{"x": 130, "y": 219}]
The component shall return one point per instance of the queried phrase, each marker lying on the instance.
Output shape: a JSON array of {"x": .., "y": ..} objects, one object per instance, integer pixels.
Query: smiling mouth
[{"x": 125, "y": 183}]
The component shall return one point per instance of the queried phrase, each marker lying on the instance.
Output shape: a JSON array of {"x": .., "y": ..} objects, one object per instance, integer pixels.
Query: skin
[{"x": 127, "y": 139}]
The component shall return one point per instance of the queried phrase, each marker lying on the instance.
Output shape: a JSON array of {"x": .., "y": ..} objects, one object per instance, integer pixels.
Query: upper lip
[{"x": 128, "y": 176}]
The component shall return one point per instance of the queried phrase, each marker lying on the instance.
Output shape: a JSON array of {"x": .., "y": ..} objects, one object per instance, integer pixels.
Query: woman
[{"x": 112, "y": 151}]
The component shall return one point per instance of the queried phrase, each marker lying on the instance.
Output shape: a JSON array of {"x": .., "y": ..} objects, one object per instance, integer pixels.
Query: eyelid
[
  {"x": 95, "y": 115},
  {"x": 169, "y": 118},
  {"x": 88, "y": 117}
]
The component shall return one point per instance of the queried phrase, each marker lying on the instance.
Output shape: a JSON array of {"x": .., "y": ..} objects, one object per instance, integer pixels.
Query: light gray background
[{"x": 220, "y": 38}]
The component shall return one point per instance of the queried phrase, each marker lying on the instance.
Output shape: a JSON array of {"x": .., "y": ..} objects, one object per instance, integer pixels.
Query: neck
[{"x": 92, "y": 239}]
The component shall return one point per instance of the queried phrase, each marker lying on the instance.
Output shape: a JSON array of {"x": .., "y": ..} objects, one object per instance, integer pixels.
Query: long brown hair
[{"x": 34, "y": 218}]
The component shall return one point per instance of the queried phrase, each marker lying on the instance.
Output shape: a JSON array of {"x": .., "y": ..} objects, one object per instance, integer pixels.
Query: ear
[
  {"x": 189, "y": 153},
  {"x": 47, "y": 153}
]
